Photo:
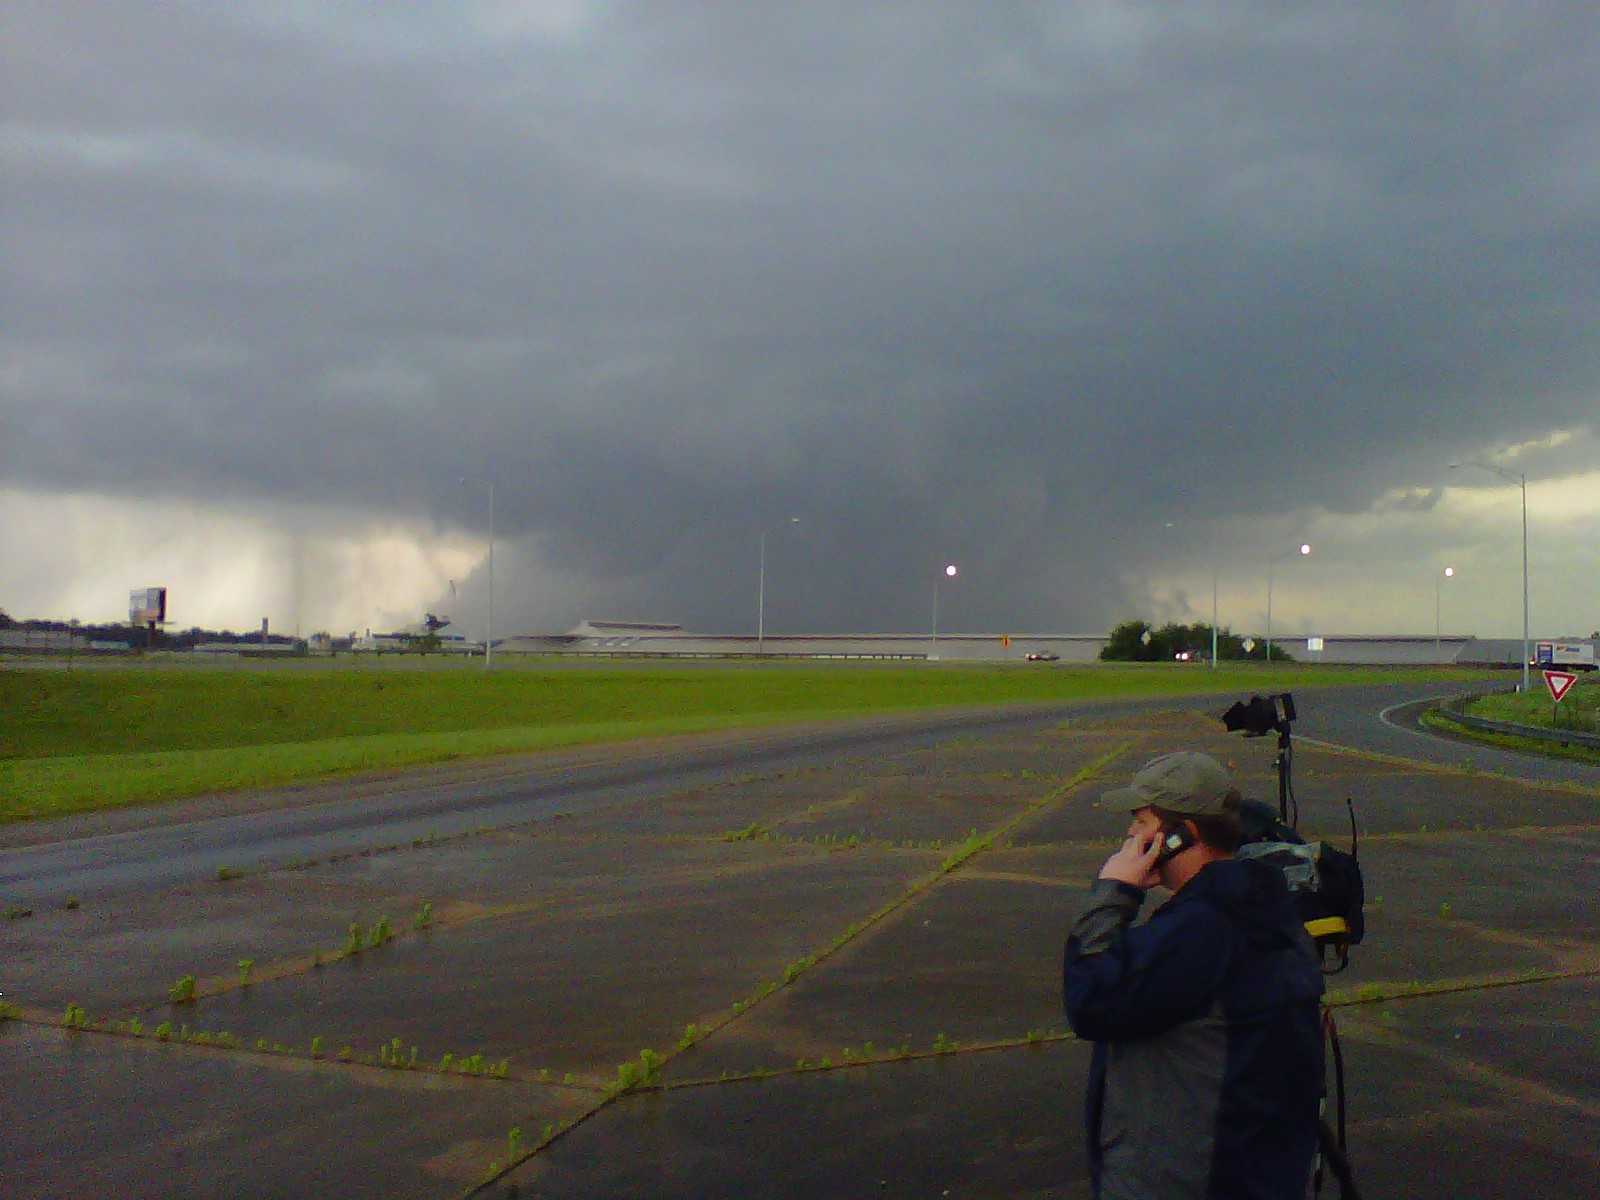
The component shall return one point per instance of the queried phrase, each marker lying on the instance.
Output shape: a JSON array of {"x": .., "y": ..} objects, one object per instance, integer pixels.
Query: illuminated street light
[
  {"x": 1438, "y": 580},
  {"x": 1521, "y": 480},
  {"x": 1305, "y": 548},
  {"x": 950, "y": 572}
]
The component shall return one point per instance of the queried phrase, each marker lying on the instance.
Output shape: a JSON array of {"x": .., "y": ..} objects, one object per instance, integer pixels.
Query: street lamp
[
  {"x": 1438, "y": 580},
  {"x": 1520, "y": 480},
  {"x": 1214, "y": 573},
  {"x": 761, "y": 593},
  {"x": 950, "y": 573},
  {"x": 488, "y": 622},
  {"x": 1305, "y": 548}
]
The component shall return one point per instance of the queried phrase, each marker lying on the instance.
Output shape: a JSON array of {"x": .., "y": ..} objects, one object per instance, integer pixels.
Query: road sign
[
  {"x": 1559, "y": 683},
  {"x": 1249, "y": 645}
]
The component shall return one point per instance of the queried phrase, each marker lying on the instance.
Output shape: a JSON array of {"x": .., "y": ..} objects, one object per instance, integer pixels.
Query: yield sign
[{"x": 1559, "y": 683}]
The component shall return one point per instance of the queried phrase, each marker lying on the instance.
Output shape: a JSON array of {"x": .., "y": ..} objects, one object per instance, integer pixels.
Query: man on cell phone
[{"x": 1207, "y": 1072}]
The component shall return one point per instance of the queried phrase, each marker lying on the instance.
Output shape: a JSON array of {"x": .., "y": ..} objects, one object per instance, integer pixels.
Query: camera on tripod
[
  {"x": 1261, "y": 715},
  {"x": 1325, "y": 881}
]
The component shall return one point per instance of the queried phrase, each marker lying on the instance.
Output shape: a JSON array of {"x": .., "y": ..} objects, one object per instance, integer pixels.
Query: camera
[{"x": 1260, "y": 715}]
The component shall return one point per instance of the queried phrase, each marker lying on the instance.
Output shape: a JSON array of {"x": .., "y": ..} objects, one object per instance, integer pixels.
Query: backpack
[{"x": 1324, "y": 881}]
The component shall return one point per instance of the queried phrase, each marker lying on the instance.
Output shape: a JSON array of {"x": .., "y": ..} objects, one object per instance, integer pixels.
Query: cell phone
[{"x": 1175, "y": 839}]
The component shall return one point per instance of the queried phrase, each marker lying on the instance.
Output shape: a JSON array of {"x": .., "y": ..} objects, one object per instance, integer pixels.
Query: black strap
[
  {"x": 1332, "y": 1144},
  {"x": 1334, "y": 1156},
  {"x": 1338, "y": 1068},
  {"x": 1350, "y": 807}
]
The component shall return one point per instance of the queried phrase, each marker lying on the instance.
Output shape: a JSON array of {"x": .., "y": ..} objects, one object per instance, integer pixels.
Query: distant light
[
  {"x": 1449, "y": 572},
  {"x": 1305, "y": 547},
  {"x": 951, "y": 571}
]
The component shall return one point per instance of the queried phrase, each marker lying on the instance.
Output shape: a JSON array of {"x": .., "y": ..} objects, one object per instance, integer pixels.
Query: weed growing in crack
[
  {"x": 352, "y": 942},
  {"x": 246, "y": 965},
  {"x": 9, "y": 1011},
  {"x": 691, "y": 1035},
  {"x": 226, "y": 873},
  {"x": 966, "y": 849},
  {"x": 424, "y": 917},
  {"x": 379, "y": 933},
  {"x": 163, "y": 1031},
  {"x": 182, "y": 992},
  {"x": 316, "y": 1047},
  {"x": 631, "y": 1076},
  {"x": 74, "y": 1017},
  {"x": 753, "y": 832},
  {"x": 943, "y": 1045},
  {"x": 15, "y": 912},
  {"x": 72, "y": 902},
  {"x": 393, "y": 1056},
  {"x": 513, "y": 1143}
]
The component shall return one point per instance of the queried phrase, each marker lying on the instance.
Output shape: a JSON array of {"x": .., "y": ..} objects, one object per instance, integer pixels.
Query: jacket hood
[{"x": 1253, "y": 893}]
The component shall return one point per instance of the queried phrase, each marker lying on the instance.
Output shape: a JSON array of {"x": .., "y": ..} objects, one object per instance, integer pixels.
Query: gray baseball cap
[{"x": 1185, "y": 782}]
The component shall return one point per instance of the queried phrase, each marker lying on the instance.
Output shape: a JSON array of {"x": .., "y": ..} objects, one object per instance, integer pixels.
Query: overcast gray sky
[{"x": 1094, "y": 300}]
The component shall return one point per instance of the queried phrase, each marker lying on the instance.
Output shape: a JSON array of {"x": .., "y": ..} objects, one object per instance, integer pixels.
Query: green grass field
[
  {"x": 72, "y": 741},
  {"x": 1579, "y": 709}
]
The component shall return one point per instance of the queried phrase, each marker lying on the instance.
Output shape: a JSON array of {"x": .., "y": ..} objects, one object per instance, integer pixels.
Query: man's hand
[{"x": 1135, "y": 863}]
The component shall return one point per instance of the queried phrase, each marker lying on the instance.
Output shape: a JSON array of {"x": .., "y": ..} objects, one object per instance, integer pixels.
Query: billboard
[{"x": 147, "y": 605}]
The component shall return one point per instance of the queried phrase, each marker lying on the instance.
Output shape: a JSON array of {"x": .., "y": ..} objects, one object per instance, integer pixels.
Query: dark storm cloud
[{"x": 1009, "y": 285}]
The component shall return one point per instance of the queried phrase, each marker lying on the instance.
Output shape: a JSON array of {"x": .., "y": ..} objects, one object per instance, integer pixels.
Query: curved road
[{"x": 107, "y": 854}]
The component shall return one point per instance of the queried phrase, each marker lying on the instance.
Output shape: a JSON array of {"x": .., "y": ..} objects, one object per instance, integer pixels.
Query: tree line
[{"x": 1140, "y": 641}]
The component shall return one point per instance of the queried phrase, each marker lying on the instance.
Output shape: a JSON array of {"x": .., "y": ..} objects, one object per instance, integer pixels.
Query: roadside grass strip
[
  {"x": 1440, "y": 721},
  {"x": 63, "y": 746},
  {"x": 32, "y": 788}
]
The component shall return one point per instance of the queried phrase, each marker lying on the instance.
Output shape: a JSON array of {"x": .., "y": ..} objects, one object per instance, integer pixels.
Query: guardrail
[{"x": 1451, "y": 711}]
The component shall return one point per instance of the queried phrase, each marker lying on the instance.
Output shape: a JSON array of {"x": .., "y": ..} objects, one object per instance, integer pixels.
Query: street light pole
[
  {"x": 950, "y": 572},
  {"x": 1305, "y": 548},
  {"x": 1213, "y": 619},
  {"x": 1521, "y": 480},
  {"x": 488, "y": 622},
  {"x": 1438, "y": 580},
  {"x": 761, "y": 593},
  {"x": 488, "y": 625}
]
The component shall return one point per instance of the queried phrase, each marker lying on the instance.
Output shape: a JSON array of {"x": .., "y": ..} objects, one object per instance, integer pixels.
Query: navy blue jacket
[{"x": 1207, "y": 1071}]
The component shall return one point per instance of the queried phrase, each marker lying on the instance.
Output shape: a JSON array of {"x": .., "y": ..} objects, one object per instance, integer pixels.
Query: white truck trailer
[{"x": 1564, "y": 656}]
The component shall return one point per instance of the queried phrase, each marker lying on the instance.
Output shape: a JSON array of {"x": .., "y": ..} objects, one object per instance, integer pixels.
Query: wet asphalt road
[{"x": 362, "y": 815}]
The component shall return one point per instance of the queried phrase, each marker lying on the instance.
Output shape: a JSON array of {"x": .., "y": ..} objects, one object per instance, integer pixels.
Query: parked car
[{"x": 1042, "y": 656}]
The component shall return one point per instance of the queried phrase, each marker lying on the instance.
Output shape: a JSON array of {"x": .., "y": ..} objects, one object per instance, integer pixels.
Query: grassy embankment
[
  {"x": 1579, "y": 710},
  {"x": 83, "y": 740}
]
